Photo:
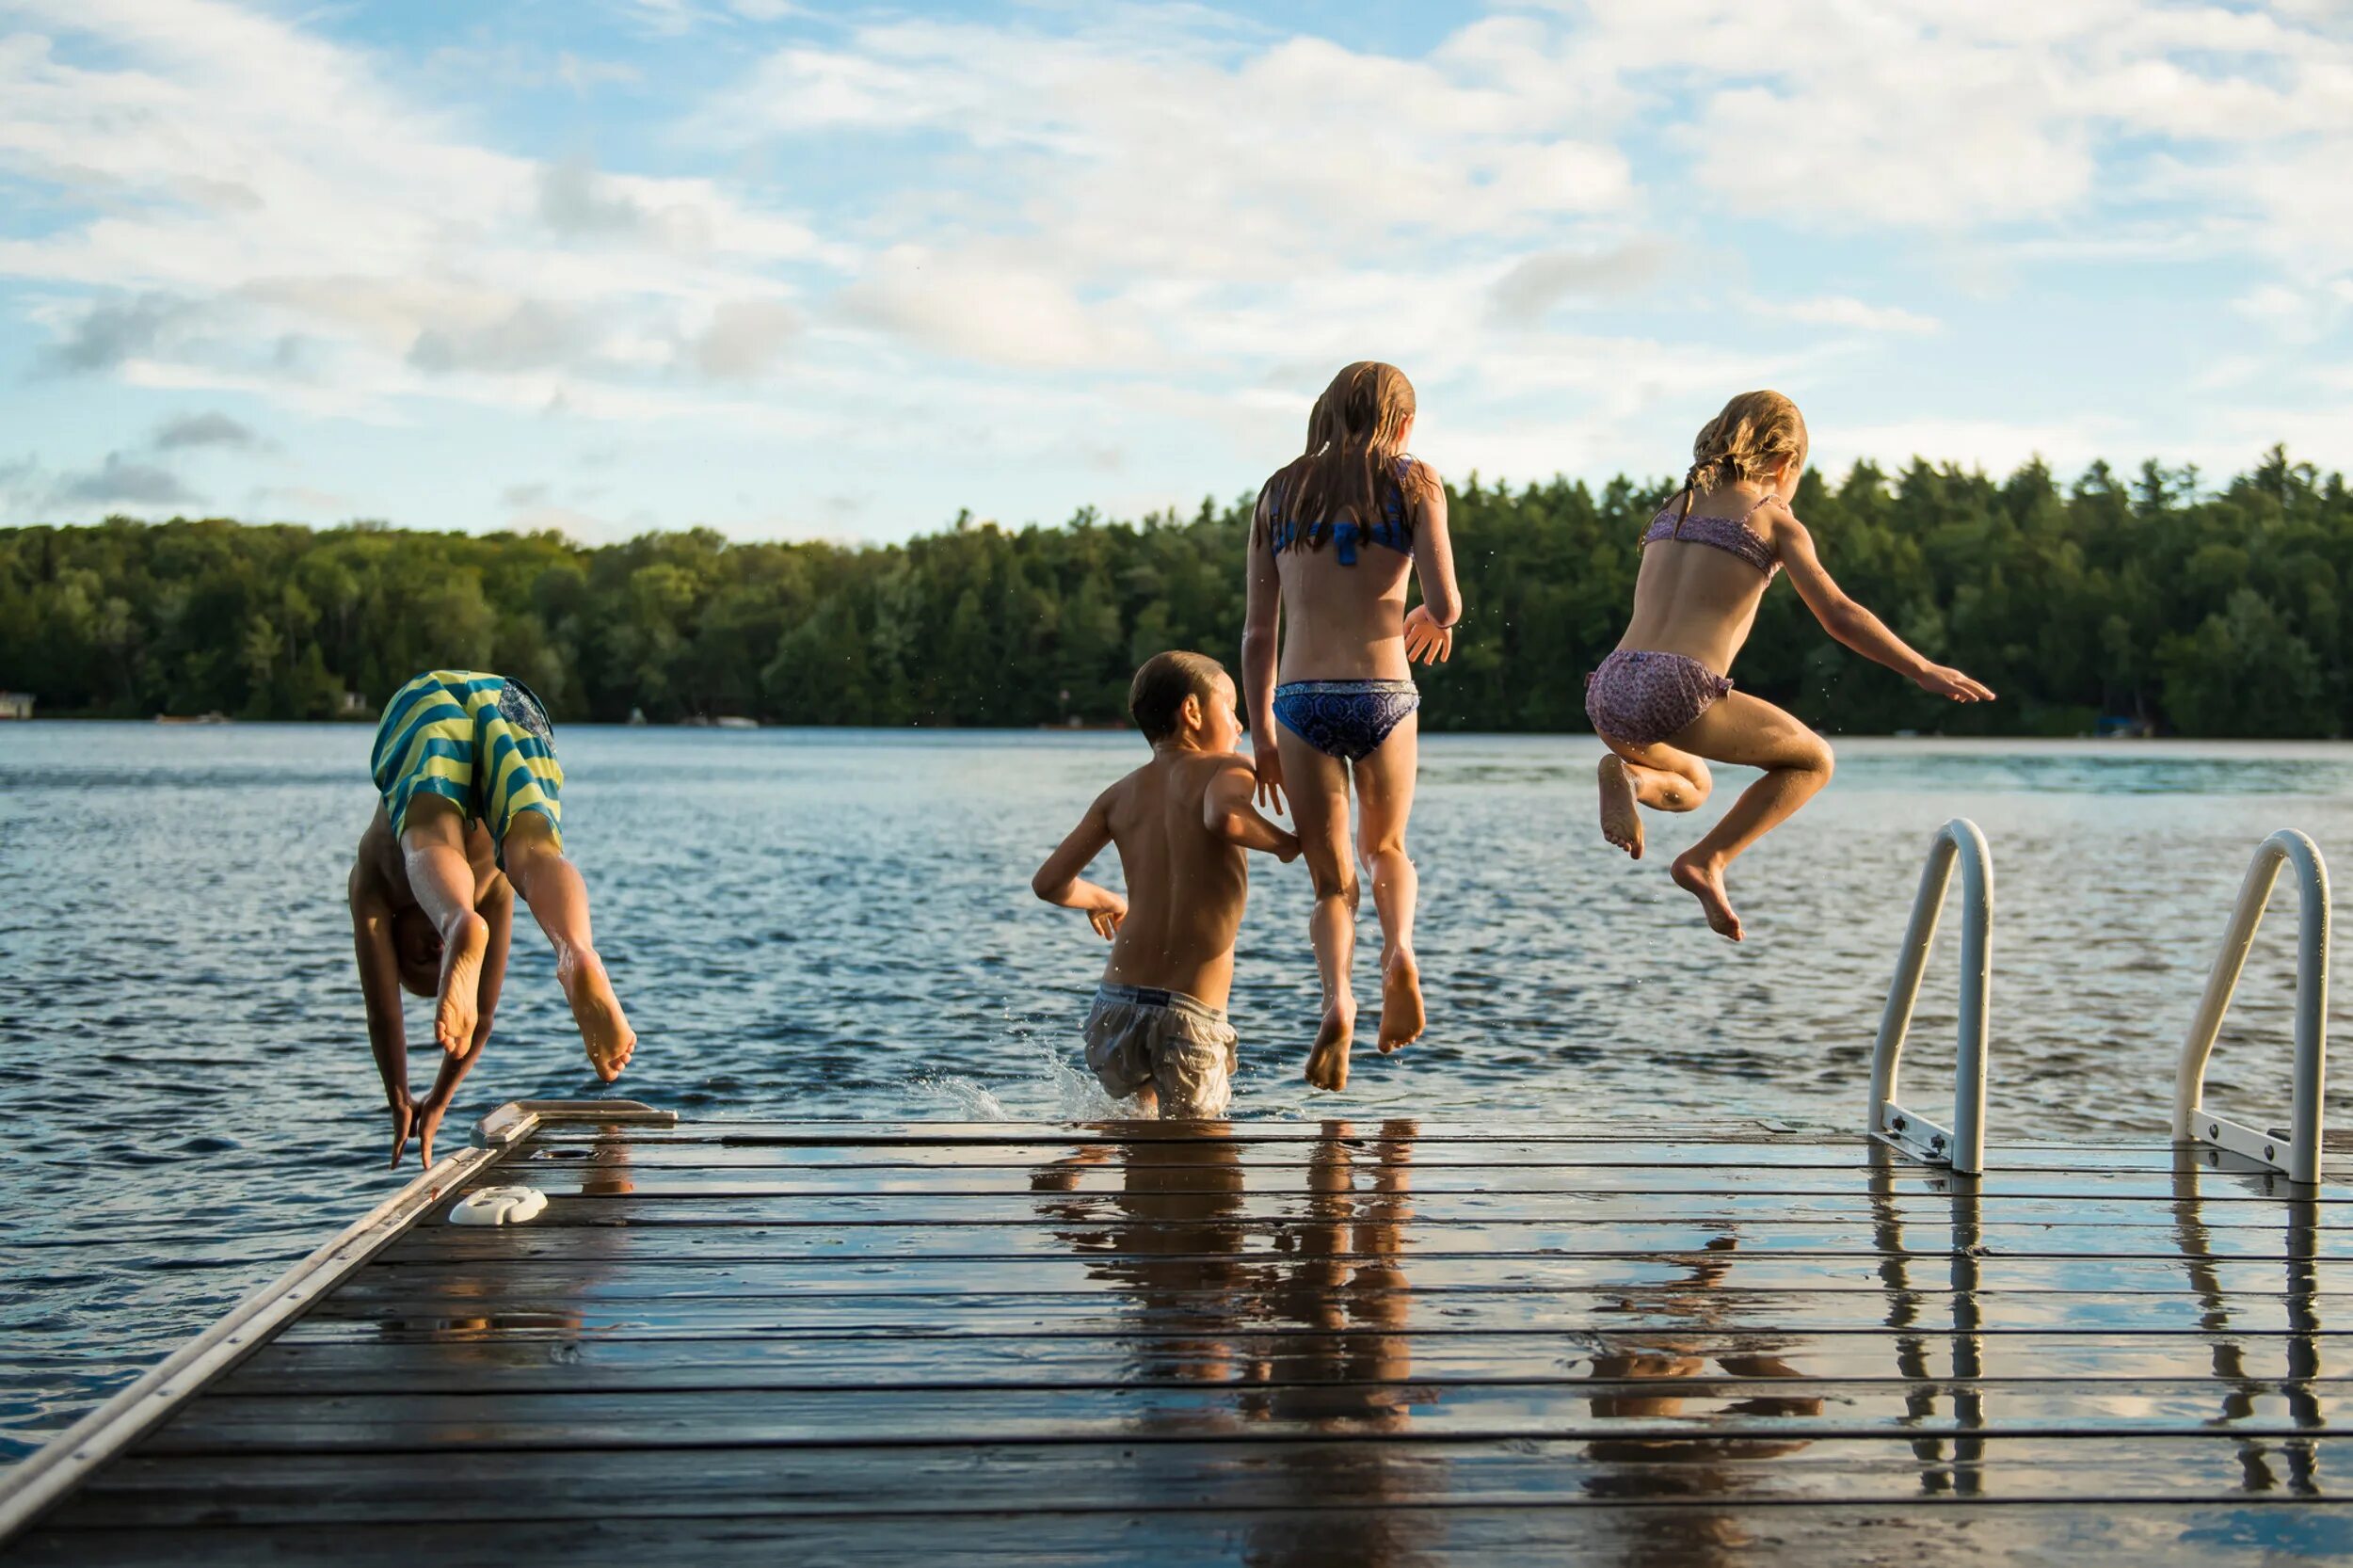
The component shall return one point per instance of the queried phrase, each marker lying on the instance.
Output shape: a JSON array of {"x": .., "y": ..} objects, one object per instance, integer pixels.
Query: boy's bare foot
[
  {"x": 603, "y": 1029},
  {"x": 1705, "y": 881},
  {"x": 1620, "y": 821},
  {"x": 404, "y": 1112},
  {"x": 1401, "y": 1019},
  {"x": 429, "y": 1116},
  {"x": 1327, "y": 1063},
  {"x": 457, "y": 1007}
]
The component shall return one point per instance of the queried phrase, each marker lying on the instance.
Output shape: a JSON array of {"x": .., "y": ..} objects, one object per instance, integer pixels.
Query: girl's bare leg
[
  {"x": 1385, "y": 798},
  {"x": 1746, "y": 732},
  {"x": 1317, "y": 786},
  {"x": 559, "y": 901},
  {"x": 433, "y": 851},
  {"x": 1656, "y": 775}
]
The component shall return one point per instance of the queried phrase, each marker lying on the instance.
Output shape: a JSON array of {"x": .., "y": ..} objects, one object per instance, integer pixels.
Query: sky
[{"x": 811, "y": 271}]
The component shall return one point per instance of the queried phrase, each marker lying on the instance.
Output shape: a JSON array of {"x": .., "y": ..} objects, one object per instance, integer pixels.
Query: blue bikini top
[{"x": 1393, "y": 529}]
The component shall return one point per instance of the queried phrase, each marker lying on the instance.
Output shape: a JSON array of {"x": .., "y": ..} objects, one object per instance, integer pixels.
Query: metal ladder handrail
[
  {"x": 2192, "y": 1122},
  {"x": 1962, "y": 1145}
]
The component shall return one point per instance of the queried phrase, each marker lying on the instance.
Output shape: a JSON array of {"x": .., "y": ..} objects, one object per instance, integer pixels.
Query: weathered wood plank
[
  {"x": 627, "y": 1276},
  {"x": 1660, "y": 1410},
  {"x": 1532, "y": 1182},
  {"x": 550, "y": 1240},
  {"x": 1176, "y": 1209},
  {"x": 1196, "y": 1311},
  {"x": 549, "y": 1363},
  {"x": 164, "y": 1491},
  {"x": 1673, "y": 1530},
  {"x": 1853, "y": 1154}
]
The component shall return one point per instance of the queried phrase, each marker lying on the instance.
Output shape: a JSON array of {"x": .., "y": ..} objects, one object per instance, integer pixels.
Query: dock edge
[{"x": 32, "y": 1486}]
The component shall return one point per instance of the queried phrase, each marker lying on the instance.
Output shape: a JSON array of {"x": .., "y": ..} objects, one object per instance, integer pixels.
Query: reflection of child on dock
[
  {"x": 471, "y": 814},
  {"x": 1664, "y": 701},
  {"x": 1182, "y": 823}
]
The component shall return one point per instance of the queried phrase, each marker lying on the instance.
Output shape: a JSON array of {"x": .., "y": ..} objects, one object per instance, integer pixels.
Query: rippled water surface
[{"x": 830, "y": 924}]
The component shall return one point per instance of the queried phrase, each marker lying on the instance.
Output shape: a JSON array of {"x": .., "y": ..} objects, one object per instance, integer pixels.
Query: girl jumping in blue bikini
[{"x": 1335, "y": 534}]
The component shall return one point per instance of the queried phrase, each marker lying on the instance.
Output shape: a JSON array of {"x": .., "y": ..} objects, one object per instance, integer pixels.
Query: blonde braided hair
[{"x": 1756, "y": 433}]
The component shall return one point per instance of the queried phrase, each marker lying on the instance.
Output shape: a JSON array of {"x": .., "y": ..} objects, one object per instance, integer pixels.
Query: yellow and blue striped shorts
[{"x": 482, "y": 742}]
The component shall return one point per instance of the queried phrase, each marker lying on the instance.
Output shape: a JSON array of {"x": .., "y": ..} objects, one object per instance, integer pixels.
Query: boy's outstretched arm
[
  {"x": 1226, "y": 811},
  {"x": 379, "y": 989},
  {"x": 497, "y": 906},
  {"x": 1058, "y": 881},
  {"x": 1855, "y": 626}
]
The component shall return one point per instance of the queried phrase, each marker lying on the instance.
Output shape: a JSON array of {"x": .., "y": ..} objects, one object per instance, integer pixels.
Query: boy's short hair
[{"x": 1157, "y": 694}]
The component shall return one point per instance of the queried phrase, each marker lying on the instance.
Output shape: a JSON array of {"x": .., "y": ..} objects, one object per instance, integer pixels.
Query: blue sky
[{"x": 797, "y": 271}]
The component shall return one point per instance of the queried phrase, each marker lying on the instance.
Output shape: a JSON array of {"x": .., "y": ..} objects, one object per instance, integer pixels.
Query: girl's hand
[
  {"x": 1106, "y": 920},
  {"x": 1426, "y": 641},
  {"x": 1943, "y": 681},
  {"x": 1269, "y": 763}
]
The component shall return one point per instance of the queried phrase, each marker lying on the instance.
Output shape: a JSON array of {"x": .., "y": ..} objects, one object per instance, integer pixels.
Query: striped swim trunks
[{"x": 481, "y": 741}]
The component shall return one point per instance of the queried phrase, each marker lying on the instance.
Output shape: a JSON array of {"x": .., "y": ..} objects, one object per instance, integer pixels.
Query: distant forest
[{"x": 2202, "y": 613}]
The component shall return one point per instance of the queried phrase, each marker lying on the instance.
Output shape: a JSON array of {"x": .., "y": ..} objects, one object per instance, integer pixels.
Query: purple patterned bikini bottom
[{"x": 1642, "y": 698}]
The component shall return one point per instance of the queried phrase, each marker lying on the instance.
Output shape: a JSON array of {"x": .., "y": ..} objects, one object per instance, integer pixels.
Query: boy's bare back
[{"x": 1187, "y": 882}]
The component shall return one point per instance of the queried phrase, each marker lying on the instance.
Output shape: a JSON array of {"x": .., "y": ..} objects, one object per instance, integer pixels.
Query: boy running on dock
[
  {"x": 1664, "y": 703},
  {"x": 471, "y": 815},
  {"x": 1183, "y": 824}
]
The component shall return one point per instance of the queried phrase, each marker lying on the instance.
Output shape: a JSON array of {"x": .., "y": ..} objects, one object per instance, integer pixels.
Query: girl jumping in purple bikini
[
  {"x": 1663, "y": 702},
  {"x": 1336, "y": 536}
]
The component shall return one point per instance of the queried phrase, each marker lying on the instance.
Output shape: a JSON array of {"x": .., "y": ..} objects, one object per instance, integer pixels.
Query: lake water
[{"x": 838, "y": 923}]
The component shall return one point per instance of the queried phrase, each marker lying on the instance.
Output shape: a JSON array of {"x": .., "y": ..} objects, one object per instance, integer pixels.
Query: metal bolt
[
  {"x": 2213, "y": 1129},
  {"x": 2268, "y": 1154},
  {"x": 1896, "y": 1123}
]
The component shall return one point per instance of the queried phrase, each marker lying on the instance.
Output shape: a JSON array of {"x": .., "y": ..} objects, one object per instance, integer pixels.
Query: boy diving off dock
[
  {"x": 1183, "y": 824},
  {"x": 471, "y": 815}
]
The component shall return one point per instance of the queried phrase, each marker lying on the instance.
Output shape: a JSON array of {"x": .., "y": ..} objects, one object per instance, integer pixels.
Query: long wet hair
[
  {"x": 1356, "y": 434},
  {"x": 1755, "y": 434}
]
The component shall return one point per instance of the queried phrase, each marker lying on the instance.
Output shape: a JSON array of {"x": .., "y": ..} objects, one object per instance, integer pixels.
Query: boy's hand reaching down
[
  {"x": 1106, "y": 916},
  {"x": 1944, "y": 681}
]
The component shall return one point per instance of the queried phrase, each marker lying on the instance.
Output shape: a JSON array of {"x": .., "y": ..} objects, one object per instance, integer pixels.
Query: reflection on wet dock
[{"x": 1368, "y": 1342}]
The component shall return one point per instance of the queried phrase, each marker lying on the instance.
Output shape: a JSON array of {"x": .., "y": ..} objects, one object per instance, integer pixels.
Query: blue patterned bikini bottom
[{"x": 1348, "y": 719}]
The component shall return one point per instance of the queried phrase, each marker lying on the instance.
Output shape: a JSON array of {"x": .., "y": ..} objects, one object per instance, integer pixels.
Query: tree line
[{"x": 2209, "y": 613}]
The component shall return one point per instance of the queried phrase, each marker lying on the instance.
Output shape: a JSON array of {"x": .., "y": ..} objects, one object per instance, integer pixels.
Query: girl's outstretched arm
[
  {"x": 1430, "y": 625},
  {"x": 1058, "y": 881},
  {"x": 1262, "y": 625},
  {"x": 1856, "y": 627}
]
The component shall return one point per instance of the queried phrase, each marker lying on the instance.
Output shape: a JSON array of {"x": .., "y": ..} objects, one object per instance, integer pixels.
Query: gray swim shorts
[{"x": 1138, "y": 1035}]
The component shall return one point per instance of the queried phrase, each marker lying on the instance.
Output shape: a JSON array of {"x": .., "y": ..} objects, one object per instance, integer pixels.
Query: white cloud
[
  {"x": 243, "y": 183},
  {"x": 1839, "y": 311},
  {"x": 1138, "y": 229}
]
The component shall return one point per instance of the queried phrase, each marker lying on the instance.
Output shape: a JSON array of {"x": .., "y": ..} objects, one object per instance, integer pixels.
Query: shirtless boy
[
  {"x": 1182, "y": 823},
  {"x": 471, "y": 815}
]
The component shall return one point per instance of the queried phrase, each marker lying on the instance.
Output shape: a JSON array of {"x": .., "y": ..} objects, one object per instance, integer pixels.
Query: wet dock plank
[{"x": 1281, "y": 1342}]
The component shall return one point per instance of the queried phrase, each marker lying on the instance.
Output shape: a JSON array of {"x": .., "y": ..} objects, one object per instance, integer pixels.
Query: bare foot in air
[
  {"x": 1620, "y": 821},
  {"x": 1706, "y": 882},
  {"x": 404, "y": 1112},
  {"x": 1401, "y": 1019},
  {"x": 1327, "y": 1063},
  {"x": 603, "y": 1029},
  {"x": 457, "y": 1007}
]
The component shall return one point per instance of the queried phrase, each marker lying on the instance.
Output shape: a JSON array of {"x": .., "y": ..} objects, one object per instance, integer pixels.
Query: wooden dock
[{"x": 1369, "y": 1343}]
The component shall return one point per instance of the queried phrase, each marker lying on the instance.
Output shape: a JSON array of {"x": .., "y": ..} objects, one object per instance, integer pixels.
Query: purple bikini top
[{"x": 1732, "y": 535}]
